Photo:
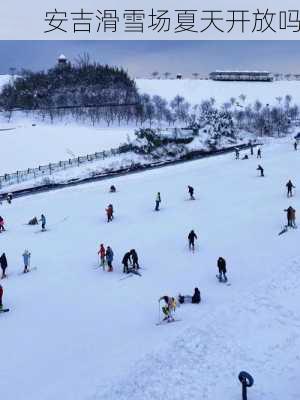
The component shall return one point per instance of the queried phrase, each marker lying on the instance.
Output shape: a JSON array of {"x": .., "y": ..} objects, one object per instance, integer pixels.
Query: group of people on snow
[
  {"x": 4, "y": 264},
  {"x": 106, "y": 257},
  {"x": 130, "y": 257}
]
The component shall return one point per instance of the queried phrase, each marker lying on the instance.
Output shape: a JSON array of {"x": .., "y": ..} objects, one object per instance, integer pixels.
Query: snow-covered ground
[
  {"x": 28, "y": 146},
  {"x": 78, "y": 333},
  {"x": 195, "y": 91}
]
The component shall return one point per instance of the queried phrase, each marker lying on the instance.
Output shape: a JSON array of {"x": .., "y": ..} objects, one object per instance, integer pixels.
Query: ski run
[{"x": 78, "y": 332}]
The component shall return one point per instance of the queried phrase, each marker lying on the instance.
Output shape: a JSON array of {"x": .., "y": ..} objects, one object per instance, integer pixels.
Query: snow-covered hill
[
  {"x": 195, "y": 91},
  {"x": 78, "y": 333}
]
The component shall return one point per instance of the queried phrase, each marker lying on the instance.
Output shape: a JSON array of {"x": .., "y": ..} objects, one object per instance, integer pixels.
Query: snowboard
[
  {"x": 223, "y": 281},
  {"x": 4, "y": 310},
  {"x": 167, "y": 322}
]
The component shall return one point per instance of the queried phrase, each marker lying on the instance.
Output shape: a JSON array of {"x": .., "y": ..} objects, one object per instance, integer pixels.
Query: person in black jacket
[
  {"x": 290, "y": 188},
  {"x": 260, "y": 168},
  {"x": 125, "y": 262},
  {"x": 191, "y": 192},
  {"x": 134, "y": 259},
  {"x": 222, "y": 269},
  {"x": 3, "y": 264},
  {"x": 195, "y": 299},
  {"x": 192, "y": 236}
]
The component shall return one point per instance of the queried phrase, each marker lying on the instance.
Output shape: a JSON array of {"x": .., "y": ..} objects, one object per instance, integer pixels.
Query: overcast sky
[{"x": 140, "y": 58}]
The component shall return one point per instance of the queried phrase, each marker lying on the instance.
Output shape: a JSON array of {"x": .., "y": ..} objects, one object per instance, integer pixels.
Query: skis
[
  {"x": 3, "y": 310},
  {"x": 166, "y": 322},
  {"x": 42, "y": 230},
  {"x": 29, "y": 270},
  {"x": 285, "y": 229},
  {"x": 130, "y": 274},
  {"x": 223, "y": 281}
]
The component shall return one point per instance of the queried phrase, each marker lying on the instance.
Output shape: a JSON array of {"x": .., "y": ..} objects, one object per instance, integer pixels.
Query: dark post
[{"x": 246, "y": 381}]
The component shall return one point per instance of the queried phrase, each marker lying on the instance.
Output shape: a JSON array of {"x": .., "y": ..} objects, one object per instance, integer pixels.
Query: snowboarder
[
  {"x": 245, "y": 157},
  {"x": 295, "y": 145},
  {"x": 9, "y": 198},
  {"x": 109, "y": 212},
  {"x": 109, "y": 258},
  {"x": 2, "y": 224},
  {"x": 222, "y": 269},
  {"x": 33, "y": 221},
  {"x": 101, "y": 254},
  {"x": 237, "y": 154},
  {"x": 290, "y": 187},
  {"x": 195, "y": 299},
  {"x": 168, "y": 308},
  {"x": 125, "y": 261},
  {"x": 192, "y": 236},
  {"x": 191, "y": 192},
  {"x": 259, "y": 153},
  {"x": 260, "y": 168},
  {"x": 289, "y": 214},
  {"x": 112, "y": 189},
  {"x": 26, "y": 259},
  {"x": 134, "y": 259},
  {"x": 157, "y": 201},
  {"x": 1, "y": 295},
  {"x": 3, "y": 264},
  {"x": 43, "y": 221}
]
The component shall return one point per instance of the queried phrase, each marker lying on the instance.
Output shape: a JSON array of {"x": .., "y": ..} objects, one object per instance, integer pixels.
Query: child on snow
[
  {"x": 102, "y": 254},
  {"x": 3, "y": 264},
  {"x": 109, "y": 258},
  {"x": 26, "y": 259},
  {"x": 195, "y": 299},
  {"x": 168, "y": 308}
]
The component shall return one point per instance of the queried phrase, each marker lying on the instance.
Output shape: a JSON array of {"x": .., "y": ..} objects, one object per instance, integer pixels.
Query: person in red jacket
[
  {"x": 1, "y": 294},
  {"x": 102, "y": 254},
  {"x": 109, "y": 213},
  {"x": 2, "y": 224}
]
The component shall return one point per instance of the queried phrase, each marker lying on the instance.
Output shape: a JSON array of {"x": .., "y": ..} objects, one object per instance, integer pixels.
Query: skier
[
  {"x": 191, "y": 192},
  {"x": 237, "y": 154},
  {"x": 157, "y": 201},
  {"x": 125, "y": 261},
  {"x": 289, "y": 214},
  {"x": 112, "y": 189},
  {"x": 192, "y": 236},
  {"x": 289, "y": 186},
  {"x": 26, "y": 259},
  {"x": 195, "y": 299},
  {"x": 295, "y": 145},
  {"x": 43, "y": 221},
  {"x": 101, "y": 253},
  {"x": 2, "y": 224},
  {"x": 293, "y": 218},
  {"x": 109, "y": 212},
  {"x": 260, "y": 168},
  {"x": 3, "y": 264},
  {"x": 259, "y": 153},
  {"x": 109, "y": 258},
  {"x": 222, "y": 269},
  {"x": 169, "y": 308},
  {"x": 9, "y": 198},
  {"x": 1, "y": 295},
  {"x": 134, "y": 259}
]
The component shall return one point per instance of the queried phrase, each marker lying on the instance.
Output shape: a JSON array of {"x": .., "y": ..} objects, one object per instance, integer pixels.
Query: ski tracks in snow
[{"x": 252, "y": 332}]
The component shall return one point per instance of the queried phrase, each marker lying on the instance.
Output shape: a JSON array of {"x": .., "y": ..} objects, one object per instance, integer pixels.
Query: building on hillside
[
  {"x": 62, "y": 60},
  {"x": 254, "y": 76}
]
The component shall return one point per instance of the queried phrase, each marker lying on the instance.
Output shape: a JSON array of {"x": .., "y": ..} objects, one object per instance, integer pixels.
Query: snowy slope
[
  {"x": 28, "y": 146},
  {"x": 78, "y": 333},
  {"x": 195, "y": 91}
]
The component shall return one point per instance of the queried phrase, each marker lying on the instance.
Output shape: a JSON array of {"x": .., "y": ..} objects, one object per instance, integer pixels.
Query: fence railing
[{"x": 49, "y": 169}]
